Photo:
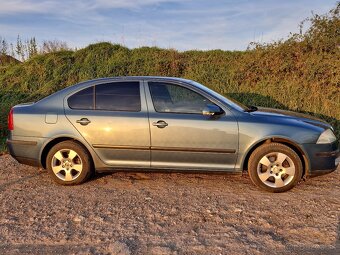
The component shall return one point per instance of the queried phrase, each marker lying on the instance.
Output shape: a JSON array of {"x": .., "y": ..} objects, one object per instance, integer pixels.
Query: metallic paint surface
[
  {"x": 235, "y": 130},
  {"x": 115, "y": 128}
]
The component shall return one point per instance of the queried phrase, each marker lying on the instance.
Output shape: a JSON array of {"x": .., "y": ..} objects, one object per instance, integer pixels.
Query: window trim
[
  {"x": 106, "y": 110},
  {"x": 183, "y": 86},
  {"x": 95, "y": 100},
  {"x": 77, "y": 109}
]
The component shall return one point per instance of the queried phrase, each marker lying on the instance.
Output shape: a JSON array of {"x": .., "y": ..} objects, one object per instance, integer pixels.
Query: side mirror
[{"x": 211, "y": 110}]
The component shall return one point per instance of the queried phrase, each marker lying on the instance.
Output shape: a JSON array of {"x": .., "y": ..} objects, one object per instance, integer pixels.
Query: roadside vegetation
[{"x": 301, "y": 73}]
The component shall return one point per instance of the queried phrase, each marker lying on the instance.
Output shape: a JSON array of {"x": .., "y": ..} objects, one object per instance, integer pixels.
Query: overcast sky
[{"x": 180, "y": 24}]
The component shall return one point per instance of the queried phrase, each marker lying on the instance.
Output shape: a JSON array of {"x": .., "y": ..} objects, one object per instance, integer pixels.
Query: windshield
[{"x": 230, "y": 101}]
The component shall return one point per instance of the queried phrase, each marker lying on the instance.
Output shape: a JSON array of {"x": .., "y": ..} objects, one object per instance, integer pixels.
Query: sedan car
[{"x": 161, "y": 123}]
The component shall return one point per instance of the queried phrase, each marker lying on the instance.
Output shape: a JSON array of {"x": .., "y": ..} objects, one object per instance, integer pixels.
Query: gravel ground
[{"x": 164, "y": 213}]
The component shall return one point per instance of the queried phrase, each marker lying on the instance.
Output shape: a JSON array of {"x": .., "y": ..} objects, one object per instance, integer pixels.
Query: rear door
[
  {"x": 113, "y": 119},
  {"x": 182, "y": 137}
]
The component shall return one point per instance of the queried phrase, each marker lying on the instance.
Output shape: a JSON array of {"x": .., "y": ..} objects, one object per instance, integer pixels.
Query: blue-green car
[{"x": 161, "y": 123}]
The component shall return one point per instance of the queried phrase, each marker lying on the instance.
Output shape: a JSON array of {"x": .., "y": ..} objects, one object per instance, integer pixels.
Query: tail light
[{"x": 10, "y": 120}]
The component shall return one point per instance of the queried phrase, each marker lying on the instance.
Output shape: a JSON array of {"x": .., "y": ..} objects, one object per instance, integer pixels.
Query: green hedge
[{"x": 300, "y": 74}]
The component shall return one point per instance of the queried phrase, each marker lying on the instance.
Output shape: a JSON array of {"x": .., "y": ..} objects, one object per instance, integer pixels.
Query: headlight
[{"x": 327, "y": 136}]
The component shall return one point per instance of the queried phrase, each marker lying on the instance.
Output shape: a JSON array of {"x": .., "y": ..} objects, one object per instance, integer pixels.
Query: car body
[{"x": 163, "y": 123}]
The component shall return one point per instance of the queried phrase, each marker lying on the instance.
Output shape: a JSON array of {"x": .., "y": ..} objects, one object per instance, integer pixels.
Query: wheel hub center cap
[
  {"x": 67, "y": 164},
  {"x": 276, "y": 169}
]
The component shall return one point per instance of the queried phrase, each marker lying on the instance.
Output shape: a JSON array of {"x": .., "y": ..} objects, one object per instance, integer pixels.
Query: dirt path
[{"x": 164, "y": 213}]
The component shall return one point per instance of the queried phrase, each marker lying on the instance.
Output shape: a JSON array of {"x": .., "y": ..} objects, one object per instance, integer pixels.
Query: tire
[
  {"x": 69, "y": 163},
  {"x": 275, "y": 167}
]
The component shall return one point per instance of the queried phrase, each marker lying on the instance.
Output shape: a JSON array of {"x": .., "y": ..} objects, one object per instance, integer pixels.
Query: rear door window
[{"x": 118, "y": 96}]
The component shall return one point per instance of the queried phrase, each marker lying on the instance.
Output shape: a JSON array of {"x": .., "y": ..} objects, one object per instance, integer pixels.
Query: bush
[{"x": 301, "y": 73}]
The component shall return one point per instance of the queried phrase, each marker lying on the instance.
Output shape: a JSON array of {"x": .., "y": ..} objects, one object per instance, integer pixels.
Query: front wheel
[
  {"x": 69, "y": 163},
  {"x": 275, "y": 167}
]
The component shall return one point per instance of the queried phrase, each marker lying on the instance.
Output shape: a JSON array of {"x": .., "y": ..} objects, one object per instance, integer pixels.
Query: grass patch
[{"x": 301, "y": 73}]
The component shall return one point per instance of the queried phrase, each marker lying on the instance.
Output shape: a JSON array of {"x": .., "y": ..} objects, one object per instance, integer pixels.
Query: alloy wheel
[
  {"x": 67, "y": 165},
  {"x": 276, "y": 169}
]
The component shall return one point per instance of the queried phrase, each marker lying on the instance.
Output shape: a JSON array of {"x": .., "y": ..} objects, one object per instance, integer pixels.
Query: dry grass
[{"x": 300, "y": 74}]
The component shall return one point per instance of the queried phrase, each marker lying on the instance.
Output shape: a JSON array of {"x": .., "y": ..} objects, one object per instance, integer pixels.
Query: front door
[
  {"x": 182, "y": 137},
  {"x": 113, "y": 119}
]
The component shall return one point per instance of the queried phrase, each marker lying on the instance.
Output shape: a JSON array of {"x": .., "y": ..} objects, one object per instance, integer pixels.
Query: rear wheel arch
[
  {"x": 48, "y": 146},
  {"x": 293, "y": 145}
]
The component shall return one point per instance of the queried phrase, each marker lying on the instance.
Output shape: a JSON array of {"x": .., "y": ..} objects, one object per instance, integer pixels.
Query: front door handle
[
  {"x": 83, "y": 121},
  {"x": 160, "y": 124}
]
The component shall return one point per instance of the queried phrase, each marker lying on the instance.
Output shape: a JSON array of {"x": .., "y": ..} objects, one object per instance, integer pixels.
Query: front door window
[{"x": 170, "y": 98}]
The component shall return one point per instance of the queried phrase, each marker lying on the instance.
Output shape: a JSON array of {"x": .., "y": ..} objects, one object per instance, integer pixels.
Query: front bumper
[{"x": 322, "y": 158}]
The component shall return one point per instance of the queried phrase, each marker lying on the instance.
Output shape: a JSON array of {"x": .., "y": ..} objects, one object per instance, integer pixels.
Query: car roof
[
  {"x": 124, "y": 78},
  {"x": 165, "y": 78},
  {"x": 63, "y": 92}
]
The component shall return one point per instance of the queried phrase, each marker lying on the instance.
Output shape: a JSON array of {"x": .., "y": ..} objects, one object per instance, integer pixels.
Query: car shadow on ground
[{"x": 18, "y": 181}]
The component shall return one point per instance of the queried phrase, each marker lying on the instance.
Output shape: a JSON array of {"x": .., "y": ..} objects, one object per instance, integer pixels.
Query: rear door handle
[
  {"x": 83, "y": 121},
  {"x": 160, "y": 124}
]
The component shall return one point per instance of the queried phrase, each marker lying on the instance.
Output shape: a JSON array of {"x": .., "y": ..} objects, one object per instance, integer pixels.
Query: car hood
[{"x": 271, "y": 112}]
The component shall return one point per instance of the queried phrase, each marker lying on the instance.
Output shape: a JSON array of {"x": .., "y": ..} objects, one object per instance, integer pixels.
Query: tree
[
  {"x": 53, "y": 46},
  {"x": 12, "y": 50},
  {"x": 3, "y": 46},
  {"x": 33, "y": 47},
  {"x": 19, "y": 50}
]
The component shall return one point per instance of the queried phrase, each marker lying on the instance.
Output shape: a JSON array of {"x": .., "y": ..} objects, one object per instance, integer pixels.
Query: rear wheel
[
  {"x": 275, "y": 167},
  {"x": 69, "y": 163}
]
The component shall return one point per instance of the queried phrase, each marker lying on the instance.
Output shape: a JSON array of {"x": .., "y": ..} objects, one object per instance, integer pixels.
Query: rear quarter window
[{"x": 82, "y": 100}]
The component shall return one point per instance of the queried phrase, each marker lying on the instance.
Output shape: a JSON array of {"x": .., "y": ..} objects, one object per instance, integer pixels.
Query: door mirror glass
[{"x": 211, "y": 110}]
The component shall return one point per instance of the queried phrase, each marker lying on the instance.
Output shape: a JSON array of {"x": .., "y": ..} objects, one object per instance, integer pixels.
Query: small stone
[
  {"x": 100, "y": 219},
  {"x": 78, "y": 218},
  {"x": 118, "y": 248}
]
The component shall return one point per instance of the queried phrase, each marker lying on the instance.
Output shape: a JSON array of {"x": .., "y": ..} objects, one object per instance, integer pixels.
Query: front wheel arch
[{"x": 293, "y": 145}]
